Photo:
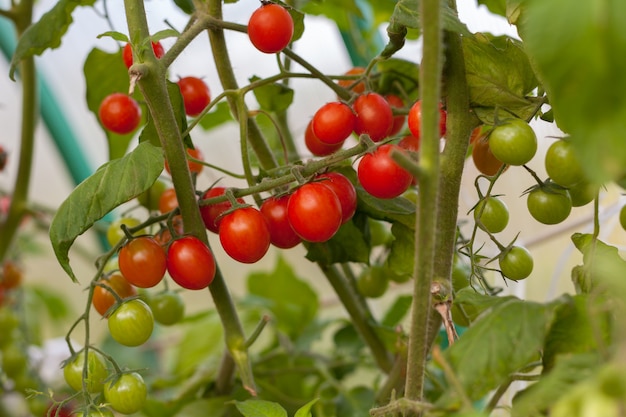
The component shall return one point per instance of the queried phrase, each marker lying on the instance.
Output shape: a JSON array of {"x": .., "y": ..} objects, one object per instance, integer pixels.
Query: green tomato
[
  {"x": 583, "y": 193},
  {"x": 492, "y": 213},
  {"x": 562, "y": 164},
  {"x": 131, "y": 323},
  {"x": 513, "y": 142},
  {"x": 373, "y": 281},
  {"x": 115, "y": 232},
  {"x": 150, "y": 198},
  {"x": 461, "y": 272},
  {"x": 516, "y": 263},
  {"x": 14, "y": 360},
  {"x": 126, "y": 394},
  {"x": 168, "y": 307},
  {"x": 549, "y": 205},
  {"x": 96, "y": 371},
  {"x": 379, "y": 232}
]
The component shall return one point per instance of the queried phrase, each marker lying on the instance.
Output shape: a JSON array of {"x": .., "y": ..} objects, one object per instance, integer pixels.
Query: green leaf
[
  {"x": 118, "y": 36},
  {"x": 47, "y": 32},
  {"x": 305, "y": 410},
  {"x": 164, "y": 34},
  {"x": 349, "y": 244},
  {"x": 292, "y": 301},
  {"x": 495, "y": 6},
  {"x": 105, "y": 73},
  {"x": 55, "y": 304},
  {"x": 474, "y": 303},
  {"x": 114, "y": 183},
  {"x": 398, "y": 76},
  {"x": 588, "y": 103},
  {"x": 401, "y": 257},
  {"x": 406, "y": 14},
  {"x": 397, "y": 311},
  {"x": 219, "y": 115},
  {"x": 500, "y": 343},
  {"x": 275, "y": 97},
  {"x": 395, "y": 210},
  {"x": 185, "y": 5},
  {"x": 499, "y": 76},
  {"x": 601, "y": 262},
  {"x": 202, "y": 343},
  {"x": 260, "y": 408}
]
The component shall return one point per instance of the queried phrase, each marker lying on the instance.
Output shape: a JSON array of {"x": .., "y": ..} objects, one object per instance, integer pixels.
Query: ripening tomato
[
  {"x": 316, "y": 146},
  {"x": 196, "y": 95},
  {"x": 190, "y": 263},
  {"x": 483, "y": 158},
  {"x": 352, "y": 84},
  {"x": 97, "y": 371},
  {"x": 103, "y": 299},
  {"x": 142, "y": 262},
  {"x": 314, "y": 212},
  {"x": 131, "y": 323},
  {"x": 398, "y": 120},
  {"x": 119, "y": 113},
  {"x": 345, "y": 191},
  {"x": 513, "y": 142},
  {"x": 274, "y": 209},
  {"x": 127, "y": 393},
  {"x": 12, "y": 275},
  {"x": 270, "y": 28},
  {"x": 168, "y": 201},
  {"x": 381, "y": 176},
  {"x": 127, "y": 53},
  {"x": 245, "y": 235},
  {"x": 516, "y": 263},
  {"x": 333, "y": 122},
  {"x": 415, "y": 120},
  {"x": 373, "y": 116},
  {"x": 212, "y": 213},
  {"x": 194, "y": 167}
]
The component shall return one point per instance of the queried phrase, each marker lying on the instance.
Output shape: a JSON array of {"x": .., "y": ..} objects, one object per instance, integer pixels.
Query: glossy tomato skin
[
  {"x": 373, "y": 116},
  {"x": 373, "y": 281},
  {"x": 316, "y": 146},
  {"x": 194, "y": 167},
  {"x": 274, "y": 209},
  {"x": 563, "y": 165},
  {"x": 333, "y": 123},
  {"x": 381, "y": 176},
  {"x": 168, "y": 201},
  {"x": 513, "y": 142},
  {"x": 119, "y": 113},
  {"x": 103, "y": 299},
  {"x": 356, "y": 87},
  {"x": 344, "y": 190},
  {"x": 398, "y": 120},
  {"x": 516, "y": 263},
  {"x": 270, "y": 28},
  {"x": 415, "y": 120},
  {"x": 191, "y": 263},
  {"x": 549, "y": 205},
  {"x": 167, "y": 307},
  {"x": 127, "y": 53},
  {"x": 314, "y": 212},
  {"x": 493, "y": 214},
  {"x": 483, "y": 158},
  {"x": 97, "y": 372},
  {"x": 131, "y": 323},
  {"x": 127, "y": 394},
  {"x": 245, "y": 235},
  {"x": 142, "y": 262},
  {"x": 150, "y": 198},
  {"x": 196, "y": 95},
  {"x": 212, "y": 213},
  {"x": 115, "y": 233}
]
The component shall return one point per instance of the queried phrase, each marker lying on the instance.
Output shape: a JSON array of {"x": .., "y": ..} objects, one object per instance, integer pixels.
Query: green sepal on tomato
[
  {"x": 131, "y": 323},
  {"x": 549, "y": 203}
]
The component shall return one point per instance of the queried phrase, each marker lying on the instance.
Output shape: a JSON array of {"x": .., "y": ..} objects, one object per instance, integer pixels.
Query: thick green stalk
[
  {"x": 153, "y": 85},
  {"x": 19, "y": 200},
  {"x": 430, "y": 78}
]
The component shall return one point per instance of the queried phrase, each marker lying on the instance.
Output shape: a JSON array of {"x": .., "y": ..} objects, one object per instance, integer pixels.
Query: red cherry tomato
[
  {"x": 398, "y": 121},
  {"x": 142, "y": 262},
  {"x": 381, "y": 176},
  {"x": 345, "y": 191},
  {"x": 127, "y": 53},
  {"x": 373, "y": 116},
  {"x": 245, "y": 235},
  {"x": 281, "y": 233},
  {"x": 314, "y": 212},
  {"x": 333, "y": 123},
  {"x": 415, "y": 120},
  {"x": 119, "y": 113},
  {"x": 270, "y": 28},
  {"x": 316, "y": 146},
  {"x": 357, "y": 88},
  {"x": 196, "y": 95},
  {"x": 194, "y": 167},
  {"x": 212, "y": 213},
  {"x": 410, "y": 143},
  {"x": 191, "y": 263}
]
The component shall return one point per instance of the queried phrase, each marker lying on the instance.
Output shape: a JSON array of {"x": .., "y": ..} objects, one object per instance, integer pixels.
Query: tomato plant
[
  {"x": 212, "y": 213},
  {"x": 356, "y": 87},
  {"x": 196, "y": 95},
  {"x": 270, "y": 28},
  {"x": 274, "y": 209},
  {"x": 516, "y": 263},
  {"x": 483, "y": 158},
  {"x": 333, "y": 123},
  {"x": 142, "y": 262},
  {"x": 373, "y": 281},
  {"x": 513, "y": 142},
  {"x": 190, "y": 263},
  {"x": 194, "y": 167},
  {"x": 316, "y": 146},
  {"x": 167, "y": 307},
  {"x": 127, "y": 393},
  {"x": 115, "y": 233},
  {"x": 97, "y": 372},
  {"x": 398, "y": 119},
  {"x": 314, "y": 201},
  {"x": 103, "y": 298},
  {"x": 168, "y": 201},
  {"x": 381, "y": 176},
  {"x": 245, "y": 235},
  {"x": 131, "y": 323},
  {"x": 373, "y": 116},
  {"x": 549, "y": 204},
  {"x": 344, "y": 190},
  {"x": 415, "y": 119},
  {"x": 491, "y": 214},
  {"x": 119, "y": 113},
  {"x": 127, "y": 52}
]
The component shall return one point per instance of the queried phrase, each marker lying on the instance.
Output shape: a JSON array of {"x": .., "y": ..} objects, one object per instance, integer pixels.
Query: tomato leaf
[
  {"x": 112, "y": 184},
  {"x": 588, "y": 103},
  {"x": 275, "y": 97},
  {"x": 292, "y": 301},
  {"x": 395, "y": 210},
  {"x": 495, "y": 6},
  {"x": 397, "y": 311},
  {"x": 260, "y": 408},
  {"x": 105, "y": 73},
  {"x": 118, "y": 36},
  {"x": 406, "y": 14},
  {"x": 305, "y": 410},
  {"x": 219, "y": 114},
  {"x": 398, "y": 76},
  {"x": 47, "y": 32},
  {"x": 202, "y": 339},
  {"x": 349, "y": 244}
]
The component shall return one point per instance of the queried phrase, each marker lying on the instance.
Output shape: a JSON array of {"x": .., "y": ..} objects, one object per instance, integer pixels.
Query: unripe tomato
[
  {"x": 314, "y": 212},
  {"x": 127, "y": 53},
  {"x": 142, "y": 262},
  {"x": 274, "y": 209},
  {"x": 13, "y": 360},
  {"x": 415, "y": 120},
  {"x": 491, "y": 214},
  {"x": 190, "y": 263},
  {"x": 549, "y": 204},
  {"x": 212, "y": 213},
  {"x": 103, "y": 299},
  {"x": 131, "y": 323},
  {"x": 245, "y": 235},
  {"x": 333, "y": 123},
  {"x": 563, "y": 165},
  {"x": 150, "y": 198},
  {"x": 270, "y": 28},
  {"x": 373, "y": 116},
  {"x": 513, "y": 142},
  {"x": 516, "y": 263},
  {"x": 373, "y": 281},
  {"x": 119, "y": 113},
  {"x": 97, "y": 371},
  {"x": 196, "y": 95},
  {"x": 583, "y": 193},
  {"x": 316, "y": 146},
  {"x": 381, "y": 176},
  {"x": 126, "y": 394},
  {"x": 345, "y": 191},
  {"x": 115, "y": 233},
  {"x": 167, "y": 307}
]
